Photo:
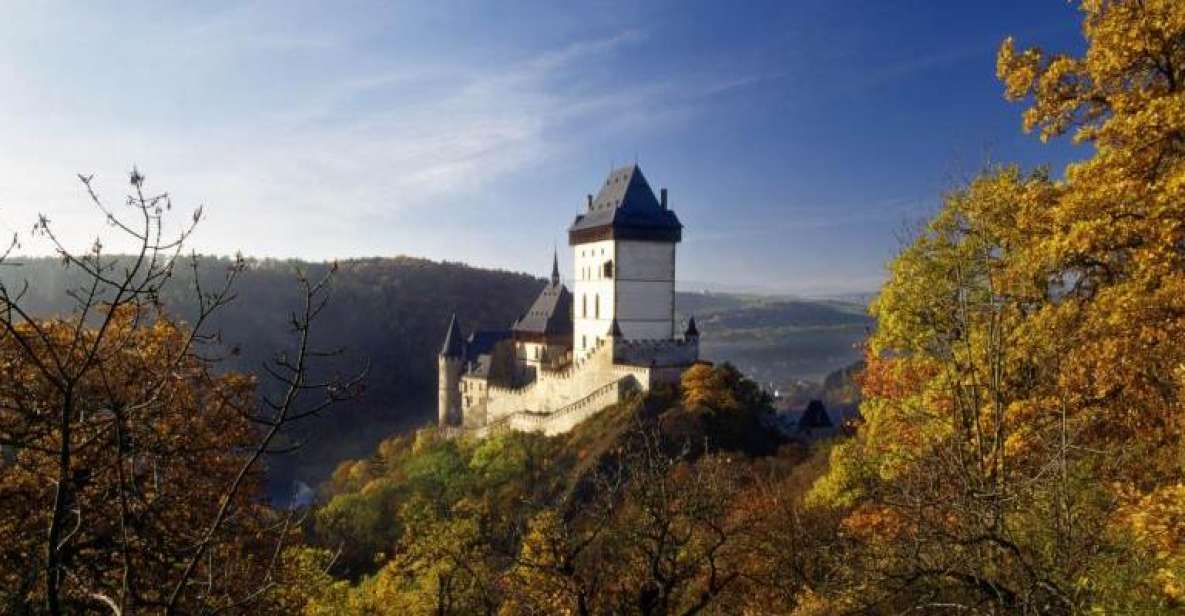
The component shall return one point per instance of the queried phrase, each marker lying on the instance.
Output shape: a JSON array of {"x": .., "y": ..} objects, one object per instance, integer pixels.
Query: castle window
[
  {"x": 583, "y": 342},
  {"x": 597, "y": 306},
  {"x": 607, "y": 269},
  {"x": 584, "y": 306}
]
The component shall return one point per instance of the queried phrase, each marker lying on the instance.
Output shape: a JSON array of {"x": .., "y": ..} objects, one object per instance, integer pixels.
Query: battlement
[
  {"x": 585, "y": 381},
  {"x": 661, "y": 353},
  {"x": 553, "y": 388}
]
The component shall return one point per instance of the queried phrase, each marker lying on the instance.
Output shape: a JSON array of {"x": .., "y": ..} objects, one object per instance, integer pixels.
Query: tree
[
  {"x": 131, "y": 474},
  {"x": 727, "y": 409},
  {"x": 1022, "y": 397},
  {"x": 680, "y": 541}
]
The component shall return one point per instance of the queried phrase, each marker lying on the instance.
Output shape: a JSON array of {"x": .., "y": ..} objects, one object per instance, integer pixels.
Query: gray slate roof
[
  {"x": 626, "y": 201},
  {"x": 550, "y": 315}
]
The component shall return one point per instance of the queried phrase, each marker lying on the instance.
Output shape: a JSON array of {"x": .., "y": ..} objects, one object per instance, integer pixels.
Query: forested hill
[{"x": 387, "y": 313}]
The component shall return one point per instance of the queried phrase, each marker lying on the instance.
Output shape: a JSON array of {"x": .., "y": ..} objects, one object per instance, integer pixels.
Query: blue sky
[{"x": 797, "y": 138}]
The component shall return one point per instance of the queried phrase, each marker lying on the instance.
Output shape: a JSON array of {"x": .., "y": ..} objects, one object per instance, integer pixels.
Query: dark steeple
[
  {"x": 555, "y": 267},
  {"x": 453, "y": 343},
  {"x": 691, "y": 330},
  {"x": 614, "y": 329}
]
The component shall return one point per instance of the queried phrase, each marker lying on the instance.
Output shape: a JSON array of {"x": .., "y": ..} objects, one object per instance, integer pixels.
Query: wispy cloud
[
  {"x": 283, "y": 130},
  {"x": 358, "y": 144}
]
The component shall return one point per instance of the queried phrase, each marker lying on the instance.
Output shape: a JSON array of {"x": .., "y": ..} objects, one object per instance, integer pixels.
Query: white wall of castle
[
  {"x": 593, "y": 294},
  {"x": 639, "y": 291}
]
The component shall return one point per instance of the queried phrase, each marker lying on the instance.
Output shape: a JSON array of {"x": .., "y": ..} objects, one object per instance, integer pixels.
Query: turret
[
  {"x": 691, "y": 332},
  {"x": 449, "y": 364},
  {"x": 614, "y": 329}
]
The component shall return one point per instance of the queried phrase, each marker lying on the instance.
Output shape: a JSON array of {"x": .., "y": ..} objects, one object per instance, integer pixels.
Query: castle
[{"x": 572, "y": 353}]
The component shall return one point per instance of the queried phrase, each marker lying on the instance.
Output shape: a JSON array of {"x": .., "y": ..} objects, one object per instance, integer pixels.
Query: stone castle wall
[
  {"x": 552, "y": 389},
  {"x": 564, "y": 418},
  {"x": 547, "y": 403}
]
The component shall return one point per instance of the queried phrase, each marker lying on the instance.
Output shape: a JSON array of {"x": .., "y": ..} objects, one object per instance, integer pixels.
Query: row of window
[{"x": 606, "y": 271}]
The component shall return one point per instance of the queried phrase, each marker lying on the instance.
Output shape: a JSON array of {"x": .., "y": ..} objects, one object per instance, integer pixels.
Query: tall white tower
[{"x": 624, "y": 257}]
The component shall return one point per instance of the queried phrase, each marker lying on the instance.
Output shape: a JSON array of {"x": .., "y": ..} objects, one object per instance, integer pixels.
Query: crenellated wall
[
  {"x": 656, "y": 353},
  {"x": 557, "y": 400},
  {"x": 564, "y": 418},
  {"x": 552, "y": 389},
  {"x": 643, "y": 363}
]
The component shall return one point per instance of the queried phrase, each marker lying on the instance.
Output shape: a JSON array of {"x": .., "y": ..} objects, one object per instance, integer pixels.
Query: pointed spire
[
  {"x": 691, "y": 331},
  {"x": 453, "y": 344},
  {"x": 555, "y": 266},
  {"x": 614, "y": 329}
]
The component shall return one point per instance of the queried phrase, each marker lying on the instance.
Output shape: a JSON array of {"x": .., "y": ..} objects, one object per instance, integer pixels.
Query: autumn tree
[
  {"x": 727, "y": 409},
  {"x": 131, "y": 476},
  {"x": 657, "y": 535},
  {"x": 1022, "y": 409}
]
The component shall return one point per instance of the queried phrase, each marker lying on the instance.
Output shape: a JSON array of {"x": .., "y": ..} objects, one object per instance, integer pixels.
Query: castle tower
[
  {"x": 449, "y": 365},
  {"x": 624, "y": 262}
]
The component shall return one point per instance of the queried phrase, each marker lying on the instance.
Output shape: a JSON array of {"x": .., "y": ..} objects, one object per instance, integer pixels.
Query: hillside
[{"x": 524, "y": 523}]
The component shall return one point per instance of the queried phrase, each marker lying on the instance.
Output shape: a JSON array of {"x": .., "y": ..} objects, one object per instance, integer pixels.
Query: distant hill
[{"x": 391, "y": 314}]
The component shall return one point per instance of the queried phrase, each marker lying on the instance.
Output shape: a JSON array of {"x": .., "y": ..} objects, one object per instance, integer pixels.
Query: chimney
[
  {"x": 663, "y": 197},
  {"x": 590, "y": 201}
]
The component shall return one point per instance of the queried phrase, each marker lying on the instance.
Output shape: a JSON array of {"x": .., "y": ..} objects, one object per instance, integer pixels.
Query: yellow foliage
[
  {"x": 155, "y": 437},
  {"x": 1031, "y": 340},
  {"x": 305, "y": 586},
  {"x": 1157, "y": 522}
]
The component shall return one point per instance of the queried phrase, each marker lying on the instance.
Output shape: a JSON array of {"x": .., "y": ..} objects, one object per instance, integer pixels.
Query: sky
[{"x": 798, "y": 139}]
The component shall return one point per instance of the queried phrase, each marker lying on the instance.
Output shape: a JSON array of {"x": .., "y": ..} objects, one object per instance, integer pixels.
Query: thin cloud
[{"x": 327, "y": 163}]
